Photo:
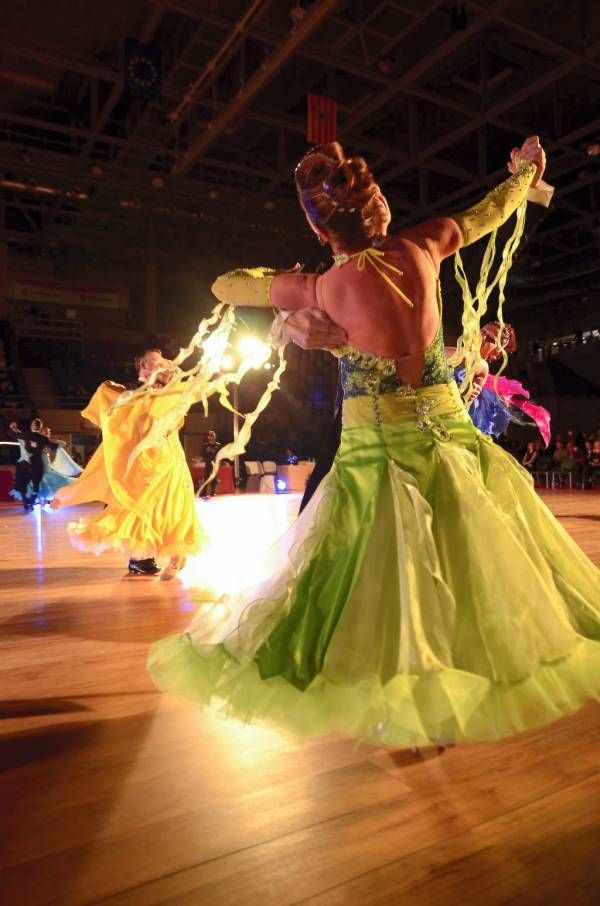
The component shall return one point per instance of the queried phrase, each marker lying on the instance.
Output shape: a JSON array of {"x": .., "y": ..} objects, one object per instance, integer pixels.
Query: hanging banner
[
  {"x": 322, "y": 120},
  {"x": 143, "y": 70},
  {"x": 46, "y": 291}
]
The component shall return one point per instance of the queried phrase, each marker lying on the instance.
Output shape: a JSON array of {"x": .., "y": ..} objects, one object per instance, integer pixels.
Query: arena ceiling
[{"x": 433, "y": 93}]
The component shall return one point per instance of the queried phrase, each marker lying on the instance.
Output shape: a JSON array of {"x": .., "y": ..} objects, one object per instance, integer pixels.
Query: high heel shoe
[{"x": 174, "y": 565}]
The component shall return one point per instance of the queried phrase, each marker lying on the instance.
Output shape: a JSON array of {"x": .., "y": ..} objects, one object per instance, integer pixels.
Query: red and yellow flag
[{"x": 322, "y": 120}]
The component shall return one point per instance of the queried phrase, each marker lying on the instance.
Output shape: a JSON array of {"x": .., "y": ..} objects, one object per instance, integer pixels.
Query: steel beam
[
  {"x": 426, "y": 64},
  {"x": 318, "y": 13},
  {"x": 235, "y": 38}
]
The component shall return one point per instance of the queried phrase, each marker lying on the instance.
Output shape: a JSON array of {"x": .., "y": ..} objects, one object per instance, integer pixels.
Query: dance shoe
[
  {"x": 173, "y": 567},
  {"x": 148, "y": 567}
]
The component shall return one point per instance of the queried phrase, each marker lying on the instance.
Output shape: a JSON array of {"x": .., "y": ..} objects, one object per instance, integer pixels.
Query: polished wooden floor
[{"x": 113, "y": 793}]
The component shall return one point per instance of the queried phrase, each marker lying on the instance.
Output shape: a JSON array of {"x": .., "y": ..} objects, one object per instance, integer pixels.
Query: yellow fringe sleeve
[
  {"x": 497, "y": 206},
  {"x": 500, "y": 203},
  {"x": 245, "y": 286}
]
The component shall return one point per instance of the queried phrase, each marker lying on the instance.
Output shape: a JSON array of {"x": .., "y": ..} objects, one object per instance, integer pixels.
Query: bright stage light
[
  {"x": 240, "y": 533},
  {"x": 280, "y": 485},
  {"x": 227, "y": 363},
  {"x": 254, "y": 350}
]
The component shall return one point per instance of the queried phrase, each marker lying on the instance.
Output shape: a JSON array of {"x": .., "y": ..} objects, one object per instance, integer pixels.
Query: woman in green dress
[{"x": 425, "y": 593}]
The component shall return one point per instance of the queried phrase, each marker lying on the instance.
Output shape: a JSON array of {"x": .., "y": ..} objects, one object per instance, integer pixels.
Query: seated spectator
[
  {"x": 560, "y": 454},
  {"x": 531, "y": 456}
]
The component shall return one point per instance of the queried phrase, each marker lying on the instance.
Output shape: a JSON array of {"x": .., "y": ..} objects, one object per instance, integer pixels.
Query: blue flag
[{"x": 143, "y": 69}]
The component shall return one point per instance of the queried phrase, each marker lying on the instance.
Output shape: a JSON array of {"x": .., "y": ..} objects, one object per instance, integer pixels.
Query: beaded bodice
[{"x": 362, "y": 373}]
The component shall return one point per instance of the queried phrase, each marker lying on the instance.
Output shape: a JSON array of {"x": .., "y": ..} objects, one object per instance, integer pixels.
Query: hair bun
[
  {"x": 331, "y": 185},
  {"x": 347, "y": 180},
  {"x": 359, "y": 181}
]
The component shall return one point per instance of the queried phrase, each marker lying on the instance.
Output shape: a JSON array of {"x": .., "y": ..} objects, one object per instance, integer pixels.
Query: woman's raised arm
[{"x": 443, "y": 236}]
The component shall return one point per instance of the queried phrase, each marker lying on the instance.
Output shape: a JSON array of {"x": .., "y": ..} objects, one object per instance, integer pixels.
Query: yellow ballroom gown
[{"x": 150, "y": 507}]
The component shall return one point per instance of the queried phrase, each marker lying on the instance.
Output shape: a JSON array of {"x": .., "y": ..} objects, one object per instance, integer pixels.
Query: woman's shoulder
[
  {"x": 408, "y": 242},
  {"x": 439, "y": 236}
]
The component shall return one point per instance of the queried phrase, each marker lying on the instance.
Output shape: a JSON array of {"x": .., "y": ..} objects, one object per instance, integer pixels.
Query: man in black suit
[{"x": 30, "y": 467}]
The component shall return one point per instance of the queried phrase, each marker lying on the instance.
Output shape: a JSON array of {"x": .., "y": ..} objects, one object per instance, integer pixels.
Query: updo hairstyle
[{"x": 336, "y": 192}]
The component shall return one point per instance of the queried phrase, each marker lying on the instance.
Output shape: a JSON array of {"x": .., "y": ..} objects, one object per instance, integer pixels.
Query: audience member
[
  {"x": 531, "y": 456},
  {"x": 560, "y": 454}
]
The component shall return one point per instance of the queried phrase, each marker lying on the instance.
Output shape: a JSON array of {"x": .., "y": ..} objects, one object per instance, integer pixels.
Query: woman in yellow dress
[
  {"x": 147, "y": 488},
  {"x": 425, "y": 593}
]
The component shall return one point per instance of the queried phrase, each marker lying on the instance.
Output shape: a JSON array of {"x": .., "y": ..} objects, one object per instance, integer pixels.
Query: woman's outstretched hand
[{"x": 532, "y": 150}]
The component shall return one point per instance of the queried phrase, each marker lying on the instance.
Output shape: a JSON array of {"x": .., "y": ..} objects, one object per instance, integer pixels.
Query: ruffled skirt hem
[
  {"x": 92, "y": 539},
  {"x": 424, "y": 594},
  {"x": 448, "y": 705}
]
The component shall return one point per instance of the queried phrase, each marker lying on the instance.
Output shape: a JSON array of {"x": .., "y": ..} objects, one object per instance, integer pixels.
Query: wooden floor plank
[
  {"x": 113, "y": 792},
  {"x": 504, "y": 861}
]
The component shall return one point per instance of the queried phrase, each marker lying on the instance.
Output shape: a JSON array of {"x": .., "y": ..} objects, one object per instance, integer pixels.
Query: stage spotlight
[
  {"x": 280, "y": 486},
  {"x": 254, "y": 350}
]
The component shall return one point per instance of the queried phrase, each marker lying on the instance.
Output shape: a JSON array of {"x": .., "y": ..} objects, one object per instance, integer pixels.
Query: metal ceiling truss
[{"x": 426, "y": 103}]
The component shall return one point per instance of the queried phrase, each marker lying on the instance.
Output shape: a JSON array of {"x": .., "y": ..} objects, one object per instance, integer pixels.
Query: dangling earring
[{"x": 321, "y": 240}]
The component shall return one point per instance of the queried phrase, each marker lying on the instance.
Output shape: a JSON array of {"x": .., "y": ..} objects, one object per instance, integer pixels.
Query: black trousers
[
  {"x": 37, "y": 473},
  {"x": 26, "y": 473},
  {"x": 22, "y": 478},
  {"x": 325, "y": 457},
  {"x": 212, "y": 487}
]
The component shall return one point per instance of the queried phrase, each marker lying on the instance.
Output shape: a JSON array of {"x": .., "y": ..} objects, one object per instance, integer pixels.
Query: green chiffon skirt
[{"x": 425, "y": 594}]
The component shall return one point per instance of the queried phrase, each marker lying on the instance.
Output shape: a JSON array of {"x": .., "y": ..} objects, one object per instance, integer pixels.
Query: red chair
[{"x": 226, "y": 483}]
